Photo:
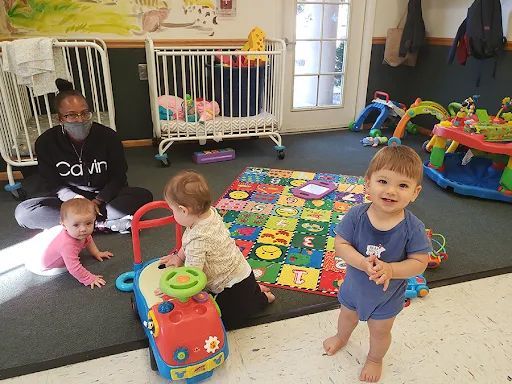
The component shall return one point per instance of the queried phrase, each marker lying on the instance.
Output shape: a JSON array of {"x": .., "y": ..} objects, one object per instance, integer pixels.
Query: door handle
[{"x": 289, "y": 42}]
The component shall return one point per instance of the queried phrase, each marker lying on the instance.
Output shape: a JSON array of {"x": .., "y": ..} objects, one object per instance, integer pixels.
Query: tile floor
[{"x": 457, "y": 334}]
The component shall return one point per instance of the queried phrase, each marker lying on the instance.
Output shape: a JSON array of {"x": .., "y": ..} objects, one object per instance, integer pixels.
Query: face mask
[{"x": 78, "y": 130}]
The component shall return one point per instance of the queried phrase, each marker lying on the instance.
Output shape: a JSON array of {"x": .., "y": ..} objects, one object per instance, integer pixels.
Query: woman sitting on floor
[{"x": 81, "y": 159}]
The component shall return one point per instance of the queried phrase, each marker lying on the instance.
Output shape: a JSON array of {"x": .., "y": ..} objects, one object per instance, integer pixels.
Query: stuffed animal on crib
[
  {"x": 255, "y": 42},
  {"x": 189, "y": 108},
  {"x": 207, "y": 109},
  {"x": 374, "y": 141},
  {"x": 174, "y": 104}
]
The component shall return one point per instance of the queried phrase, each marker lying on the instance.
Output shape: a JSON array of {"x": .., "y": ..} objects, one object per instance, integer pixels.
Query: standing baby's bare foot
[
  {"x": 371, "y": 371},
  {"x": 264, "y": 288},
  {"x": 333, "y": 344}
]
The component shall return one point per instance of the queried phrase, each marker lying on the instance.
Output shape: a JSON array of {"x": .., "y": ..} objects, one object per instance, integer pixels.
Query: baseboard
[
  {"x": 137, "y": 143},
  {"x": 17, "y": 176}
]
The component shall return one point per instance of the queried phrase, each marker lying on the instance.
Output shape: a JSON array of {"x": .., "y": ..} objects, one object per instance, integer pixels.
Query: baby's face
[
  {"x": 79, "y": 225},
  {"x": 390, "y": 191}
]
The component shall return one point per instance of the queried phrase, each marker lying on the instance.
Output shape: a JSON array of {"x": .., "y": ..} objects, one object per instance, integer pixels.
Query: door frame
[{"x": 362, "y": 76}]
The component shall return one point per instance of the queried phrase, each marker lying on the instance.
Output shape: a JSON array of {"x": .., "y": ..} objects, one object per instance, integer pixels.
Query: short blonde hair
[
  {"x": 189, "y": 189},
  {"x": 400, "y": 159},
  {"x": 77, "y": 206}
]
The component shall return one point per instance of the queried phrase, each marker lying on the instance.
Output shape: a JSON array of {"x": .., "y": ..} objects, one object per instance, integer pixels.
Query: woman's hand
[{"x": 97, "y": 205}]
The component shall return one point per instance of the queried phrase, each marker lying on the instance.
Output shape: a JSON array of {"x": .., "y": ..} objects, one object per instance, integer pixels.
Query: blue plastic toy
[
  {"x": 386, "y": 108},
  {"x": 416, "y": 287}
]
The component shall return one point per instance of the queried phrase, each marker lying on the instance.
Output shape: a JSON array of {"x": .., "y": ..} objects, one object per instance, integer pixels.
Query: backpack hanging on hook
[{"x": 480, "y": 35}]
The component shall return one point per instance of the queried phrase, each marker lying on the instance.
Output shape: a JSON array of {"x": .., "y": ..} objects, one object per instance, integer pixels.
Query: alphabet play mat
[{"x": 289, "y": 241}]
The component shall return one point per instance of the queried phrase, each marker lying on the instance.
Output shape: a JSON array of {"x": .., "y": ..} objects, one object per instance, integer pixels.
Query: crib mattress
[
  {"x": 23, "y": 143},
  {"x": 220, "y": 126}
]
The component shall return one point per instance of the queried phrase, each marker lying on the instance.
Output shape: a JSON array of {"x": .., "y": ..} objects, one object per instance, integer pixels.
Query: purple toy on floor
[{"x": 213, "y": 155}]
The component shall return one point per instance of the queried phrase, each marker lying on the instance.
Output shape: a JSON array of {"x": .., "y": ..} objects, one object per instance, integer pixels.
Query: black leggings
[
  {"x": 44, "y": 212},
  {"x": 241, "y": 302}
]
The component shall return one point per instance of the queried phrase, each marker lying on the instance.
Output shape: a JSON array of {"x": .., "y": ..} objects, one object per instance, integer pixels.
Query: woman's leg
[
  {"x": 38, "y": 213},
  {"x": 127, "y": 202}
]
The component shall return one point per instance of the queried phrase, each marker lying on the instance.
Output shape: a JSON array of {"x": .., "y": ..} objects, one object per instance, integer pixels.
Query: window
[{"x": 321, "y": 29}]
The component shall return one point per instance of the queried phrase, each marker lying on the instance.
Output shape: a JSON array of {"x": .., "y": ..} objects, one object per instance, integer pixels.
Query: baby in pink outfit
[{"x": 63, "y": 251}]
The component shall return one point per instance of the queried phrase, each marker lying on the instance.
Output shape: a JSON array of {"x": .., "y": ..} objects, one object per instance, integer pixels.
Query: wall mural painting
[{"x": 128, "y": 18}]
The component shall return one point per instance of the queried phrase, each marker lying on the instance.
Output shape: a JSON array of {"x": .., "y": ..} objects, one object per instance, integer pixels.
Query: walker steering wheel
[{"x": 182, "y": 282}]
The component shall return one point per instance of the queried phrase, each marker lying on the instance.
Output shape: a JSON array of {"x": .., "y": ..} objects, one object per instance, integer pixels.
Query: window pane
[
  {"x": 323, "y": 1},
  {"x": 304, "y": 92},
  {"x": 333, "y": 56},
  {"x": 330, "y": 90},
  {"x": 335, "y": 21},
  {"x": 307, "y": 57},
  {"x": 308, "y": 21}
]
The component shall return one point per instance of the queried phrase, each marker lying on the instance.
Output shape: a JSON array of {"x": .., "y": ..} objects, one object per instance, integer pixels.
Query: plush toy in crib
[
  {"x": 207, "y": 109},
  {"x": 164, "y": 113},
  {"x": 174, "y": 104},
  {"x": 374, "y": 141},
  {"x": 255, "y": 42},
  {"x": 173, "y": 107}
]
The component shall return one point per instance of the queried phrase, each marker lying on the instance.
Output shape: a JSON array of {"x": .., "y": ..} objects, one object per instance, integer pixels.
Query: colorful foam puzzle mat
[{"x": 289, "y": 241}]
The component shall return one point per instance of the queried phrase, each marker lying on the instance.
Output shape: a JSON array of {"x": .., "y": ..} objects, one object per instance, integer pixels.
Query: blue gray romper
[{"x": 357, "y": 292}]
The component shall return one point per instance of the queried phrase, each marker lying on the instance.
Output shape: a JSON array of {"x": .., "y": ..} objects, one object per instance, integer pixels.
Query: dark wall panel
[
  {"x": 131, "y": 95},
  {"x": 433, "y": 79}
]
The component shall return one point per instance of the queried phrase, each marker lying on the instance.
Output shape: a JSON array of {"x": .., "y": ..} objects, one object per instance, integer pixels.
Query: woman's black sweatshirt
[{"x": 96, "y": 168}]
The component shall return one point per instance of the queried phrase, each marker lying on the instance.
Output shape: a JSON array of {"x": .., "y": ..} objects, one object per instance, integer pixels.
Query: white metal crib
[
  {"x": 249, "y": 99},
  {"x": 24, "y": 116}
]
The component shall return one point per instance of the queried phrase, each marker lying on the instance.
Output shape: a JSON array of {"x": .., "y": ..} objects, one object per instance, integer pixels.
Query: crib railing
[{"x": 248, "y": 98}]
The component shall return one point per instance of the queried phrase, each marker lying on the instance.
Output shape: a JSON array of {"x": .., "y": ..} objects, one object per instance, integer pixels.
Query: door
[{"x": 327, "y": 62}]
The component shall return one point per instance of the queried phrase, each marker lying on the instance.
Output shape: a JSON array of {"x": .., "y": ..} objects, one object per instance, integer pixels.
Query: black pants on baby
[
  {"x": 238, "y": 303},
  {"x": 44, "y": 212}
]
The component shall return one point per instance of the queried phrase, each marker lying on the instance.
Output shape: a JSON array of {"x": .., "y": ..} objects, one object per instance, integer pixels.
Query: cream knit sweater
[{"x": 208, "y": 246}]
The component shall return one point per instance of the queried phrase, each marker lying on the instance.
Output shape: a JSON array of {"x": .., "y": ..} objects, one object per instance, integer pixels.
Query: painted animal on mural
[
  {"x": 5, "y": 6},
  {"x": 157, "y": 15}
]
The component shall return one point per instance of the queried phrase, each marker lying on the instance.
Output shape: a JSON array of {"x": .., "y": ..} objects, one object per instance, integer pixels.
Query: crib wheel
[
  {"x": 164, "y": 161},
  {"x": 280, "y": 154},
  {"x": 19, "y": 194}
]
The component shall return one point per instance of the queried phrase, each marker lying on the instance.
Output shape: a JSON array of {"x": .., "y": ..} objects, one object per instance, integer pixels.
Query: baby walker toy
[
  {"x": 485, "y": 170},
  {"x": 419, "y": 107},
  {"x": 387, "y": 109},
  {"x": 187, "y": 339}
]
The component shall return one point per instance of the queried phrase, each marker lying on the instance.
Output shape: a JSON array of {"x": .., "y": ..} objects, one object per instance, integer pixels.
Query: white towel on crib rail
[{"x": 35, "y": 62}]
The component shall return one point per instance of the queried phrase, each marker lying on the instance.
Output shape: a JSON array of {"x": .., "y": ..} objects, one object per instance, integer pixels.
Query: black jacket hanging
[{"x": 414, "y": 29}]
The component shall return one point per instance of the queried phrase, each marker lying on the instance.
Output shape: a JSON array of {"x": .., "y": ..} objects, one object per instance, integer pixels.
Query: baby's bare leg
[
  {"x": 380, "y": 340},
  {"x": 347, "y": 322}
]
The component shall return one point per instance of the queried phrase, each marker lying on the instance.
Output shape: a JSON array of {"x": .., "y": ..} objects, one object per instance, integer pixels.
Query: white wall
[{"x": 442, "y": 17}]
